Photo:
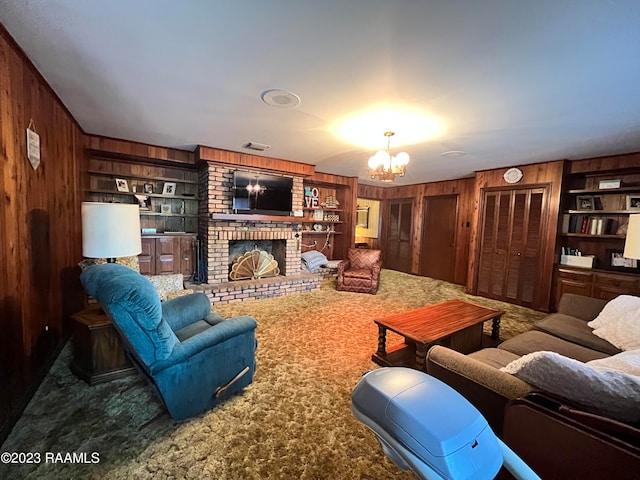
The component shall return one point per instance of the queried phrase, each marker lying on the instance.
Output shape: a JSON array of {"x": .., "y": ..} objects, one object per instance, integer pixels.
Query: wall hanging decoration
[
  {"x": 122, "y": 185},
  {"x": 33, "y": 145},
  {"x": 169, "y": 188}
]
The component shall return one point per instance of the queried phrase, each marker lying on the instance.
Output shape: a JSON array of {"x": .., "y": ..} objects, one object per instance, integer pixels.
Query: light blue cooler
[{"x": 426, "y": 426}]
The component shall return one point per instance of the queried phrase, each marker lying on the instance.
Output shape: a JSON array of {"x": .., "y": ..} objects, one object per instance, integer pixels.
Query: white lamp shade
[
  {"x": 110, "y": 230},
  {"x": 632, "y": 243}
]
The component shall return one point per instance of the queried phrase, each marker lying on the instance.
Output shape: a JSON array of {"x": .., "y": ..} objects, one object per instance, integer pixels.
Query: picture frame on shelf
[
  {"x": 122, "y": 185},
  {"x": 148, "y": 188},
  {"x": 165, "y": 208},
  {"x": 617, "y": 261},
  {"x": 633, "y": 202},
  {"x": 318, "y": 215},
  {"x": 144, "y": 202},
  {"x": 585, "y": 202},
  {"x": 169, "y": 188}
]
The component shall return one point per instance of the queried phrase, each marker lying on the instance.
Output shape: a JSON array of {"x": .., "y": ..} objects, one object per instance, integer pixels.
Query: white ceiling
[{"x": 513, "y": 82}]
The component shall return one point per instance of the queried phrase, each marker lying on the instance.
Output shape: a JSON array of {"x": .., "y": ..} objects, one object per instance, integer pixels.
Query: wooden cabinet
[
  {"x": 511, "y": 246},
  {"x": 98, "y": 354},
  {"x": 166, "y": 254},
  {"x": 398, "y": 232},
  {"x": 167, "y": 194},
  {"x": 593, "y": 283}
]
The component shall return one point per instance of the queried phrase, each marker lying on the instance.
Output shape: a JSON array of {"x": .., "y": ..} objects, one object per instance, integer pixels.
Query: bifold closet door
[
  {"x": 397, "y": 251},
  {"x": 512, "y": 244}
]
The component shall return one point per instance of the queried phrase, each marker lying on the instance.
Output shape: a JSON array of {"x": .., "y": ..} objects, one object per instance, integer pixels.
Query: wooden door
[
  {"x": 167, "y": 255},
  {"x": 438, "y": 255},
  {"x": 512, "y": 244},
  {"x": 186, "y": 256},
  {"x": 397, "y": 251},
  {"x": 146, "y": 258}
]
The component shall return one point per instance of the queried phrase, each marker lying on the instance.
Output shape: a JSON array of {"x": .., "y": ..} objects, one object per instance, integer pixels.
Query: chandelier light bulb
[{"x": 385, "y": 166}]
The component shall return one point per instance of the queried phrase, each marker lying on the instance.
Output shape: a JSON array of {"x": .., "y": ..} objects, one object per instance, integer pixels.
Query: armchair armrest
[
  {"x": 486, "y": 387},
  {"x": 182, "y": 311},
  {"x": 213, "y": 336},
  {"x": 342, "y": 266},
  {"x": 376, "y": 269}
]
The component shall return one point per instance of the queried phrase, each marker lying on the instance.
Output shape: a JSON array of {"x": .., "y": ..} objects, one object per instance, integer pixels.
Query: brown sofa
[{"x": 525, "y": 417}]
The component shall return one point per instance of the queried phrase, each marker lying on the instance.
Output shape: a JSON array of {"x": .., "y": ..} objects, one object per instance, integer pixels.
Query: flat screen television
[{"x": 272, "y": 197}]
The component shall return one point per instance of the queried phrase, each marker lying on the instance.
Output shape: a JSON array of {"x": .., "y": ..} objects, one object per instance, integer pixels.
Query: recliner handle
[{"x": 220, "y": 390}]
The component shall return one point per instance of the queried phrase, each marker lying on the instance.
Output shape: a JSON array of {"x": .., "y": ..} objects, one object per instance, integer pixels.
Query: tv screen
[{"x": 261, "y": 193}]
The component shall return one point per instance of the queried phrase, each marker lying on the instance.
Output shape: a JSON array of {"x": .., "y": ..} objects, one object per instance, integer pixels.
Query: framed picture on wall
[{"x": 633, "y": 202}]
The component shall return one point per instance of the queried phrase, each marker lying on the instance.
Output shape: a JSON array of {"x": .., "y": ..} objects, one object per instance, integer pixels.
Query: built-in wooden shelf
[
  {"x": 241, "y": 217},
  {"x": 321, "y": 232}
]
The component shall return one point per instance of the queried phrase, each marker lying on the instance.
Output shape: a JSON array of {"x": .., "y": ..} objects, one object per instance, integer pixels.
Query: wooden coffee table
[{"x": 456, "y": 324}]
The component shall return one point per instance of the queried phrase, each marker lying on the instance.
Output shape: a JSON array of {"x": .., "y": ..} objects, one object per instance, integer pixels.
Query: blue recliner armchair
[{"x": 193, "y": 357}]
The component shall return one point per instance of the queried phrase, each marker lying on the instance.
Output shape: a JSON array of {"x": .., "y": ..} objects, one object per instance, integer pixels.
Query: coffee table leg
[
  {"x": 421, "y": 355},
  {"x": 382, "y": 341},
  {"x": 495, "y": 328}
]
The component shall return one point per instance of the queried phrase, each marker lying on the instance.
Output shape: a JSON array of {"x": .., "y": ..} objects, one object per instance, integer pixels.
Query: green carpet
[{"x": 294, "y": 421}]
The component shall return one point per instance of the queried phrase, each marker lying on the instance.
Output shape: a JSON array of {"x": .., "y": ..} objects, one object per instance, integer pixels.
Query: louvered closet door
[{"x": 511, "y": 245}]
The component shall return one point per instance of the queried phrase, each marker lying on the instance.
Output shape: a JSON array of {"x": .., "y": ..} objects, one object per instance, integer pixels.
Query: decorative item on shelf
[
  {"x": 165, "y": 208},
  {"x": 332, "y": 217},
  {"x": 311, "y": 197},
  {"x": 318, "y": 215},
  {"x": 148, "y": 188},
  {"x": 386, "y": 166},
  {"x": 122, "y": 185},
  {"x": 317, "y": 227},
  {"x": 622, "y": 229},
  {"x": 609, "y": 184},
  {"x": 169, "y": 188},
  {"x": 330, "y": 202},
  {"x": 633, "y": 202},
  {"x": 584, "y": 202},
  {"x": 182, "y": 207},
  {"x": 110, "y": 230},
  {"x": 144, "y": 202}
]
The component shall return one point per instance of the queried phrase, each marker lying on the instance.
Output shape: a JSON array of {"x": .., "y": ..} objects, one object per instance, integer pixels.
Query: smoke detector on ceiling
[
  {"x": 280, "y": 98},
  {"x": 260, "y": 147}
]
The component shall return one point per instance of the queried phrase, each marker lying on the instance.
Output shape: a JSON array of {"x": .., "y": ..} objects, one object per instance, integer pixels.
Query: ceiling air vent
[{"x": 261, "y": 147}]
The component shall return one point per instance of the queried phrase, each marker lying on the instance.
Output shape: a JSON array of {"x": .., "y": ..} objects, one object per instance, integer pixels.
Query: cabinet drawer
[
  {"x": 575, "y": 275},
  {"x": 620, "y": 282}
]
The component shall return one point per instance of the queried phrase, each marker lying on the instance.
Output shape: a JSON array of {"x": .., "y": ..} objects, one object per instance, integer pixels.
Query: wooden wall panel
[
  {"x": 134, "y": 150},
  {"x": 604, "y": 164},
  {"x": 217, "y": 155},
  {"x": 549, "y": 173},
  {"x": 40, "y": 233},
  {"x": 370, "y": 191}
]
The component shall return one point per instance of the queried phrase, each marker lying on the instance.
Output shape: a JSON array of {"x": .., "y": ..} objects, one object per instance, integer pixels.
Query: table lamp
[
  {"x": 110, "y": 230},
  {"x": 632, "y": 242}
]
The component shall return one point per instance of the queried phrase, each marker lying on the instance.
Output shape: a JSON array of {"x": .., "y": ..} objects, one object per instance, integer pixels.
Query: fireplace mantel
[{"x": 240, "y": 217}]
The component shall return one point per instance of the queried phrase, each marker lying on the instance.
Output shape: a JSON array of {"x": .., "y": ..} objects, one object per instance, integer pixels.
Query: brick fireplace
[{"x": 217, "y": 235}]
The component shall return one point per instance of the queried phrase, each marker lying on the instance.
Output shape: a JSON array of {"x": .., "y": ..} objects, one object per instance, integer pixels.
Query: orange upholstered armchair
[{"x": 360, "y": 272}]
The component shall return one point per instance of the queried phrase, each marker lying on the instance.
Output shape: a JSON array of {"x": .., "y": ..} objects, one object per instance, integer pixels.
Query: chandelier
[
  {"x": 255, "y": 188},
  {"x": 385, "y": 166}
]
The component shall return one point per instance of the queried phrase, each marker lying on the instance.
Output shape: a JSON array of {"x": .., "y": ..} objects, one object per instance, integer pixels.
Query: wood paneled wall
[
  {"x": 464, "y": 188},
  {"x": 40, "y": 233},
  {"x": 217, "y": 155},
  {"x": 549, "y": 173},
  {"x": 604, "y": 164},
  {"x": 135, "y": 151}
]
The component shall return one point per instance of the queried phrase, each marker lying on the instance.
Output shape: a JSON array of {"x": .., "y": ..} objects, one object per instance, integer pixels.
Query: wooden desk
[
  {"x": 98, "y": 354},
  {"x": 456, "y": 324}
]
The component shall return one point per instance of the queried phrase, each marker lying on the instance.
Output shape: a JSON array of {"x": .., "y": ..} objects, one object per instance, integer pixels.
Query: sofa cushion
[
  {"x": 494, "y": 357},
  {"x": 619, "y": 322},
  {"x": 574, "y": 330},
  {"x": 533, "y": 341},
  {"x": 609, "y": 392}
]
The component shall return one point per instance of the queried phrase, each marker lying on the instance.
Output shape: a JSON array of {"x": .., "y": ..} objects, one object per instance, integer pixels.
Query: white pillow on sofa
[
  {"x": 628, "y": 362},
  {"x": 610, "y": 392}
]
